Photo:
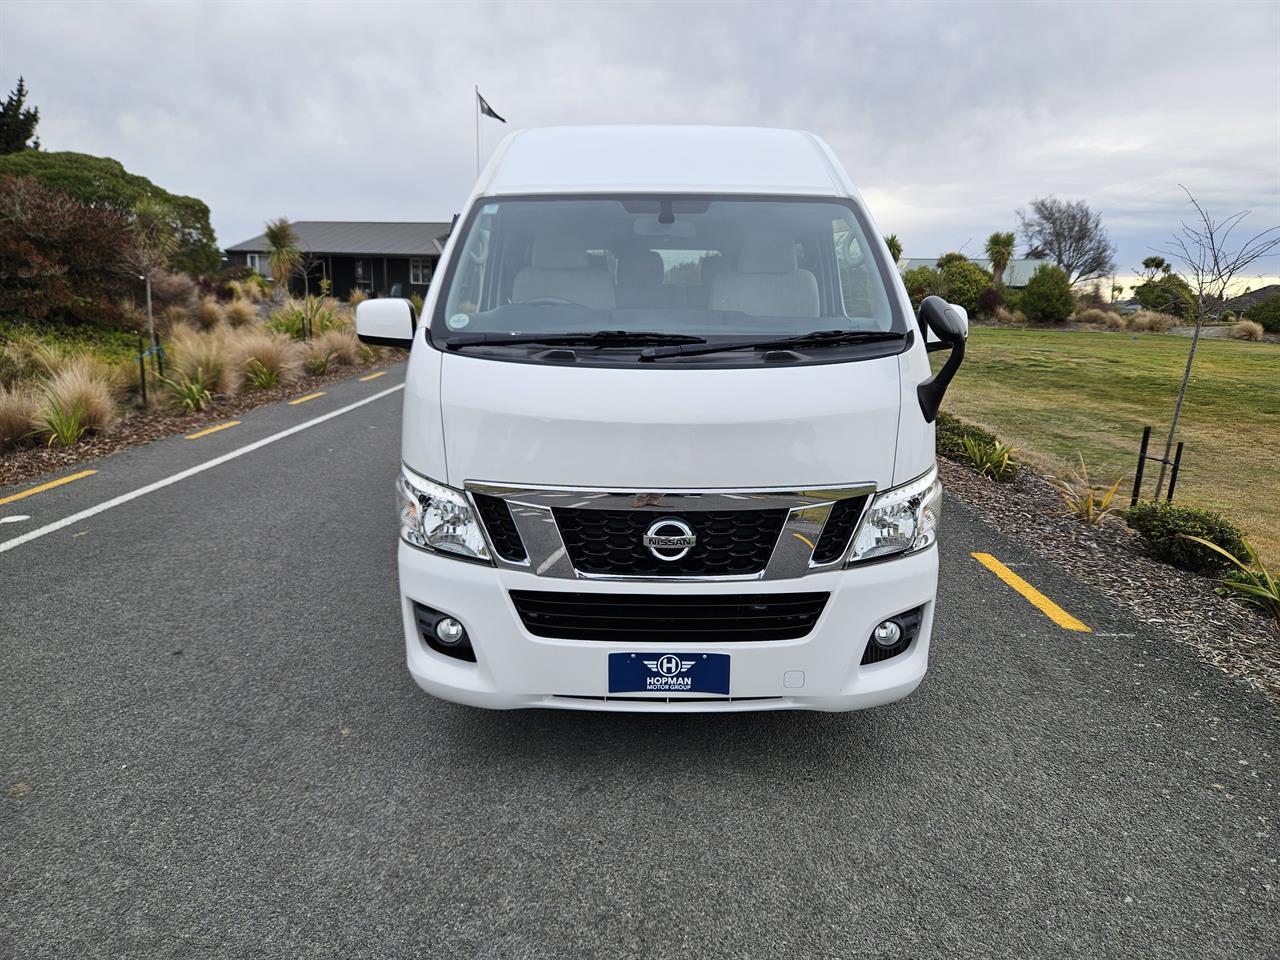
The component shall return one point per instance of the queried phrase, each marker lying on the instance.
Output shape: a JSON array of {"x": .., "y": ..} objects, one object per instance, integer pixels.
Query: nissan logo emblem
[{"x": 669, "y": 539}]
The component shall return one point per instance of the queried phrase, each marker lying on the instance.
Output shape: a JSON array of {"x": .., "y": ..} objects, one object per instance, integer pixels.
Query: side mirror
[
  {"x": 949, "y": 324},
  {"x": 386, "y": 322}
]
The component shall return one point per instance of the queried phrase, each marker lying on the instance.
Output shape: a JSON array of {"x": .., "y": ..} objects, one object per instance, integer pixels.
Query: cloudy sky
[{"x": 950, "y": 116}]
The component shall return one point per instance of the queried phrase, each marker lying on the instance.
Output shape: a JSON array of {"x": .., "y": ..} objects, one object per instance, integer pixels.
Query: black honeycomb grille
[
  {"x": 497, "y": 520},
  {"x": 610, "y": 542},
  {"x": 838, "y": 529}
]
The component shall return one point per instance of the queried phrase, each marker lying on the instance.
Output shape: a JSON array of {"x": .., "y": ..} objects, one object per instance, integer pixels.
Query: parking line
[
  {"x": 309, "y": 396},
  {"x": 805, "y": 540},
  {"x": 208, "y": 430},
  {"x": 189, "y": 472},
  {"x": 13, "y": 498},
  {"x": 1033, "y": 596},
  {"x": 373, "y": 376}
]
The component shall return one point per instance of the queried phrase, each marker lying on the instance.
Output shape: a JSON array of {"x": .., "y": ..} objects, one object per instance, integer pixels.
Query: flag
[{"x": 486, "y": 110}]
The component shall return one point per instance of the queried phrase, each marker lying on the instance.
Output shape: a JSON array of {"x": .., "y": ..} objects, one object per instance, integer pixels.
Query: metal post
[
  {"x": 1173, "y": 478},
  {"x": 475, "y": 105},
  {"x": 1142, "y": 462},
  {"x": 142, "y": 372}
]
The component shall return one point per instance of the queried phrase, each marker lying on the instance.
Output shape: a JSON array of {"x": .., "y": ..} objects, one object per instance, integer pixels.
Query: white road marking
[
  {"x": 190, "y": 472},
  {"x": 16, "y": 518},
  {"x": 550, "y": 561}
]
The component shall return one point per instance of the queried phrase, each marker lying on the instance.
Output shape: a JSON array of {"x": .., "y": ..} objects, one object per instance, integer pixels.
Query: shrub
[
  {"x": 316, "y": 357},
  {"x": 1084, "y": 502},
  {"x": 1092, "y": 315},
  {"x": 309, "y": 317},
  {"x": 963, "y": 283},
  {"x": 1116, "y": 321},
  {"x": 951, "y": 434},
  {"x": 1167, "y": 531},
  {"x": 417, "y": 300},
  {"x": 1005, "y": 315},
  {"x": 922, "y": 282},
  {"x": 267, "y": 359},
  {"x": 1247, "y": 330},
  {"x": 357, "y": 297},
  {"x": 172, "y": 290},
  {"x": 344, "y": 346},
  {"x": 209, "y": 315},
  {"x": 189, "y": 394},
  {"x": 240, "y": 312},
  {"x": 77, "y": 400},
  {"x": 990, "y": 301},
  {"x": 18, "y": 360},
  {"x": 1166, "y": 294},
  {"x": 193, "y": 355},
  {"x": 1266, "y": 313},
  {"x": 1250, "y": 583},
  {"x": 1227, "y": 316},
  {"x": 19, "y": 408},
  {"x": 947, "y": 259},
  {"x": 1047, "y": 298},
  {"x": 991, "y": 459},
  {"x": 1148, "y": 321}
]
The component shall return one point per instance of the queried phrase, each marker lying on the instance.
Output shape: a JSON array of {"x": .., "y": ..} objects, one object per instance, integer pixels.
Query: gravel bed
[
  {"x": 17, "y": 466},
  {"x": 1243, "y": 644}
]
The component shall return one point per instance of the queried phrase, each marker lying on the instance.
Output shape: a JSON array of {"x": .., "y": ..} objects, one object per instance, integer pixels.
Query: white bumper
[{"x": 516, "y": 669}]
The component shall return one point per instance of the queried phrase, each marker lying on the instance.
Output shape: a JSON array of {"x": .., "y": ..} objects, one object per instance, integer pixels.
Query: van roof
[{"x": 684, "y": 159}]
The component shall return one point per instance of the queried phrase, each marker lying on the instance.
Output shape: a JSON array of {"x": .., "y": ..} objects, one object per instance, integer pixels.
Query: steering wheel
[
  {"x": 480, "y": 254},
  {"x": 850, "y": 258},
  {"x": 545, "y": 301}
]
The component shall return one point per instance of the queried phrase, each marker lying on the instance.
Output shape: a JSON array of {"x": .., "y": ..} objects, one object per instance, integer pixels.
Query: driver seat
[{"x": 561, "y": 268}]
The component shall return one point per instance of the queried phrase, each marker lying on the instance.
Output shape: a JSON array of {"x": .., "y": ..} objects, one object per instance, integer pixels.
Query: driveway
[{"x": 211, "y": 747}]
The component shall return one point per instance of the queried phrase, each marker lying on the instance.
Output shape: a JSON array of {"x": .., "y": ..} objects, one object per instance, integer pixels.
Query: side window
[
  {"x": 853, "y": 263},
  {"x": 466, "y": 292}
]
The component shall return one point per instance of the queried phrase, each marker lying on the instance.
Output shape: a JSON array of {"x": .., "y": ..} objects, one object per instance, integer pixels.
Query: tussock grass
[
  {"x": 1116, "y": 321},
  {"x": 1149, "y": 321},
  {"x": 345, "y": 346},
  {"x": 267, "y": 358},
  {"x": 209, "y": 313},
  {"x": 356, "y": 297},
  {"x": 1247, "y": 330},
  {"x": 19, "y": 407},
  {"x": 317, "y": 357},
  {"x": 240, "y": 313},
  {"x": 1005, "y": 315},
  {"x": 204, "y": 358},
  {"x": 78, "y": 399},
  {"x": 1093, "y": 315}
]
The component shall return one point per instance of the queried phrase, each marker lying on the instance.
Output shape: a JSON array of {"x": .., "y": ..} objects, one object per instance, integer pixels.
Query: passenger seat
[
  {"x": 640, "y": 276},
  {"x": 561, "y": 269},
  {"x": 767, "y": 281}
]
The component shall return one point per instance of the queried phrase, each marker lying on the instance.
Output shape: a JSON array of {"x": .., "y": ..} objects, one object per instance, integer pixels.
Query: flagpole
[{"x": 475, "y": 103}]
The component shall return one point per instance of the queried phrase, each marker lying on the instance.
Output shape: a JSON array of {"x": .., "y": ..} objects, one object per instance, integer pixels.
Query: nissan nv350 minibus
[{"x": 668, "y": 436}]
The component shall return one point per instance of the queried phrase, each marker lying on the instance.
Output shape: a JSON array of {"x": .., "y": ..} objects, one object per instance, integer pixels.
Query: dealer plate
[{"x": 669, "y": 673}]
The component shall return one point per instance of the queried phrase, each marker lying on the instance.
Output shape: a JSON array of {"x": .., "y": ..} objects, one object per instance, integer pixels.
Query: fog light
[
  {"x": 449, "y": 632},
  {"x": 887, "y": 634}
]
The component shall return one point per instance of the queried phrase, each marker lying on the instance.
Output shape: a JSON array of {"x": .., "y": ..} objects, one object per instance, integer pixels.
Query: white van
[{"x": 668, "y": 439}]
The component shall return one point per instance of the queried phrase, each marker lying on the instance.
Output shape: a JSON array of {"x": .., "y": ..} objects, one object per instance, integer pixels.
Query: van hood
[{"x": 559, "y": 425}]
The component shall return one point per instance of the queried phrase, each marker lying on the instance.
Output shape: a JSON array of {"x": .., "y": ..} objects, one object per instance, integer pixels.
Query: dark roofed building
[{"x": 382, "y": 259}]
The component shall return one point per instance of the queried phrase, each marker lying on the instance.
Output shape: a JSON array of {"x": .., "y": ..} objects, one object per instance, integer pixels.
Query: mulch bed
[
  {"x": 17, "y": 466},
  {"x": 1243, "y": 644}
]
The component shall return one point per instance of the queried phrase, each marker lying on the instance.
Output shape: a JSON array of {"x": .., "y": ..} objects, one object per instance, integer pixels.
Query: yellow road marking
[
  {"x": 373, "y": 376},
  {"x": 1033, "y": 596},
  {"x": 805, "y": 540},
  {"x": 309, "y": 396},
  {"x": 46, "y": 486},
  {"x": 208, "y": 430}
]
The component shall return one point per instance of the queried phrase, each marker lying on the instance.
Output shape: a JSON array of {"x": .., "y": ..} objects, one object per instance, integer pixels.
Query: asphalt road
[{"x": 211, "y": 747}]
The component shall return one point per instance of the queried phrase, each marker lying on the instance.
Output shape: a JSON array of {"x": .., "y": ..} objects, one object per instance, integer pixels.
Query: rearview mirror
[
  {"x": 949, "y": 324},
  {"x": 386, "y": 322}
]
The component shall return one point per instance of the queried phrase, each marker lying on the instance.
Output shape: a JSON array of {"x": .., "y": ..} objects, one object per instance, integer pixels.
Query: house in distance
[{"x": 382, "y": 259}]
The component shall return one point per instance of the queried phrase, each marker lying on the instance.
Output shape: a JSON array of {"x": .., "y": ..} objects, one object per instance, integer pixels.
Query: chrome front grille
[{"x": 576, "y": 534}]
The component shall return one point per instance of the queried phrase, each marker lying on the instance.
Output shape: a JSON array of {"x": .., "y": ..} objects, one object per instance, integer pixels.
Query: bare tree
[
  {"x": 1070, "y": 234},
  {"x": 1210, "y": 262},
  {"x": 155, "y": 235}
]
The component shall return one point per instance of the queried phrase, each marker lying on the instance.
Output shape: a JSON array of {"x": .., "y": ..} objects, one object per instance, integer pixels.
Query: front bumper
[{"x": 516, "y": 669}]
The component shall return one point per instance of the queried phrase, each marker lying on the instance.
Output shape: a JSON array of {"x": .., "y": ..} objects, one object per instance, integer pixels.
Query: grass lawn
[{"x": 1055, "y": 393}]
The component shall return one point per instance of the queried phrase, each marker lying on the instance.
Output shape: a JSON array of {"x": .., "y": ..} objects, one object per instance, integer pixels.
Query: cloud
[{"x": 949, "y": 116}]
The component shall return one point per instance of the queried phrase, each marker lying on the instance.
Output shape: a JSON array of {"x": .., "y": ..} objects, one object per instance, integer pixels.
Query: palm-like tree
[
  {"x": 894, "y": 245},
  {"x": 1000, "y": 252},
  {"x": 282, "y": 252}
]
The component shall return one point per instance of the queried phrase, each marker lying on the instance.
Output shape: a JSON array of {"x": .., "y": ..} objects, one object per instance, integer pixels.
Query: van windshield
[{"x": 674, "y": 267}]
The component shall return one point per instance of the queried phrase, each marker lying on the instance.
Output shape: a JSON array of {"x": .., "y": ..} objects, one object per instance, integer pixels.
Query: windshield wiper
[
  {"x": 815, "y": 338},
  {"x": 600, "y": 338}
]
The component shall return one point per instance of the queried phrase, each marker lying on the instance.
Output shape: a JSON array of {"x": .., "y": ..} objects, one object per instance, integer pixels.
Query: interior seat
[
  {"x": 561, "y": 269},
  {"x": 640, "y": 276},
  {"x": 767, "y": 281}
]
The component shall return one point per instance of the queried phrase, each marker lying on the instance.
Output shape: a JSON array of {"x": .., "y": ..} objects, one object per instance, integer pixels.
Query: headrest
[
  {"x": 711, "y": 265},
  {"x": 641, "y": 268},
  {"x": 558, "y": 249},
  {"x": 767, "y": 251}
]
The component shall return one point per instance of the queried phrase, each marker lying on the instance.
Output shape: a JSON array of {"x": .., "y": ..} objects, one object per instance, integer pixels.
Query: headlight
[
  {"x": 901, "y": 520},
  {"x": 439, "y": 518}
]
